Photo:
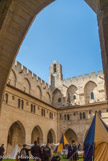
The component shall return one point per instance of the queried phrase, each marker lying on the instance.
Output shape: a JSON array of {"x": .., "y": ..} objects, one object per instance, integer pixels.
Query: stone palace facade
[{"x": 34, "y": 110}]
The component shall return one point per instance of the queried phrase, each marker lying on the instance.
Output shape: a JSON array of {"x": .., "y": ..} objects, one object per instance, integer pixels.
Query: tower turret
[{"x": 55, "y": 74}]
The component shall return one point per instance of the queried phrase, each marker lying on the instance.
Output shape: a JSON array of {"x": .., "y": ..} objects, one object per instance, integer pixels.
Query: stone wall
[
  {"x": 77, "y": 120},
  {"x": 21, "y": 120},
  {"x": 27, "y": 113},
  {"x": 23, "y": 79},
  {"x": 78, "y": 90}
]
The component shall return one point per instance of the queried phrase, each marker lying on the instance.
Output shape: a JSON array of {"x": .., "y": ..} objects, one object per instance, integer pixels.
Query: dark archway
[
  {"x": 71, "y": 136},
  {"x": 51, "y": 138},
  {"x": 37, "y": 135},
  {"x": 16, "y": 134}
]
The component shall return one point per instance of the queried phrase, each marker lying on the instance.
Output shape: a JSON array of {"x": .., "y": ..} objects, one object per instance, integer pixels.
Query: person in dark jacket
[
  {"x": 24, "y": 153},
  {"x": 70, "y": 151},
  {"x": 75, "y": 153},
  {"x": 42, "y": 155},
  {"x": 2, "y": 150},
  {"x": 46, "y": 153},
  {"x": 36, "y": 151}
]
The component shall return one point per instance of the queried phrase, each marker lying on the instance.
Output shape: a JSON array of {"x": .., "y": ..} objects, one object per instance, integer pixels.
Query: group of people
[
  {"x": 38, "y": 153},
  {"x": 73, "y": 151},
  {"x": 42, "y": 153}
]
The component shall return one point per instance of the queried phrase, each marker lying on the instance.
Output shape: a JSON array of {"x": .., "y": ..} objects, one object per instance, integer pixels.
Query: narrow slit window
[{"x": 92, "y": 95}]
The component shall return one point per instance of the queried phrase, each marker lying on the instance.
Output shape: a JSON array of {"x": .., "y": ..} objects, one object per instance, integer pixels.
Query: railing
[{"x": 71, "y": 158}]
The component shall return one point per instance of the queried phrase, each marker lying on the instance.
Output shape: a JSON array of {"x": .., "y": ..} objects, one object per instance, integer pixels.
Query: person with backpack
[
  {"x": 46, "y": 153},
  {"x": 24, "y": 153},
  {"x": 36, "y": 151}
]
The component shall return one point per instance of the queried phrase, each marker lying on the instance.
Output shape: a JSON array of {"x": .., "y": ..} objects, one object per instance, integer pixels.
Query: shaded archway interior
[
  {"x": 71, "y": 136},
  {"x": 37, "y": 135},
  {"x": 51, "y": 138},
  {"x": 16, "y": 135}
]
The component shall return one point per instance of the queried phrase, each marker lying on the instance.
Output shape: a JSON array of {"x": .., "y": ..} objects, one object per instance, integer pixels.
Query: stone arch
[
  {"x": 26, "y": 85},
  {"x": 38, "y": 92},
  {"x": 51, "y": 137},
  {"x": 12, "y": 78},
  {"x": 71, "y": 135},
  {"x": 48, "y": 97},
  {"x": 72, "y": 94},
  {"x": 16, "y": 134},
  {"x": 90, "y": 89},
  {"x": 57, "y": 98},
  {"x": 37, "y": 135}
]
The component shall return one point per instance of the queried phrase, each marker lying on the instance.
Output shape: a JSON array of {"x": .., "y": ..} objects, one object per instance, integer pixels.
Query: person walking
[
  {"x": 70, "y": 151},
  {"x": 46, "y": 153},
  {"x": 36, "y": 151},
  {"x": 75, "y": 153},
  {"x": 2, "y": 150},
  {"x": 24, "y": 153}
]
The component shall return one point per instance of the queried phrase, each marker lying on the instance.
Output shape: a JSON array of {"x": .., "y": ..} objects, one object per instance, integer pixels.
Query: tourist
[
  {"x": 18, "y": 156},
  {"x": 75, "y": 152},
  {"x": 2, "y": 152},
  {"x": 46, "y": 153},
  {"x": 70, "y": 151},
  {"x": 41, "y": 154},
  {"x": 36, "y": 151},
  {"x": 24, "y": 153}
]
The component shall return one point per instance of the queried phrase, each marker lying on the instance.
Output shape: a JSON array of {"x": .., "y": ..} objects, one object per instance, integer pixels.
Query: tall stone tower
[{"x": 55, "y": 74}]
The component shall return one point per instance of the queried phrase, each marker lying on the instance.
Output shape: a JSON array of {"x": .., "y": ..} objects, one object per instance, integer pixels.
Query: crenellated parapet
[
  {"x": 93, "y": 76},
  {"x": 23, "y": 79},
  {"x": 80, "y": 90}
]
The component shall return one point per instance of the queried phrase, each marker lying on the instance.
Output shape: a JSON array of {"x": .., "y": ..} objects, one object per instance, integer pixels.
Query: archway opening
[
  {"x": 51, "y": 137},
  {"x": 37, "y": 135},
  {"x": 71, "y": 136},
  {"x": 90, "y": 92},
  {"x": 16, "y": 135},
  {"x": 57, "y": 98}
]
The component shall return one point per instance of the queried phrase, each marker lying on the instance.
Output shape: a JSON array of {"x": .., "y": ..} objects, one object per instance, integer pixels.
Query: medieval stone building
[{"x": 34, "y": 110}]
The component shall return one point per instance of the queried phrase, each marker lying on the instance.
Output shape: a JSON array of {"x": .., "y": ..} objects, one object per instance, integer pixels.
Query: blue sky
[{"x": 65, "y": 31}]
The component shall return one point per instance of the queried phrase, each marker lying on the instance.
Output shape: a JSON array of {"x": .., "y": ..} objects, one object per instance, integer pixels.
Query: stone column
[{"x": 102, "y": 16}]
